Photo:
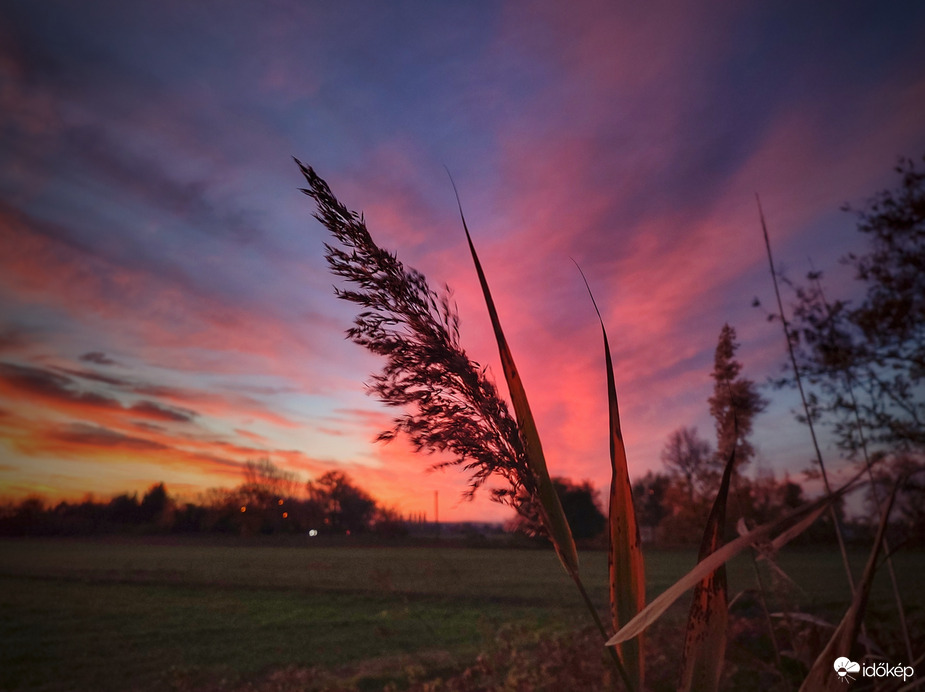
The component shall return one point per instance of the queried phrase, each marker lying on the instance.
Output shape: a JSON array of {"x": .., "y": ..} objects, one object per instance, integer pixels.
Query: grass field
[{"x": 115, "y": 615}]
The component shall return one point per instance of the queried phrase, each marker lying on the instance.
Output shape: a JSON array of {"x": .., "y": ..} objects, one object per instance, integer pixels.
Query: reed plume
[{"x": 450, "y": 404}]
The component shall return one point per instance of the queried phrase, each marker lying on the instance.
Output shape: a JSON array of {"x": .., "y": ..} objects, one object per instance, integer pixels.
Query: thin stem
[
  {"x": 809, "y": 419},
  {"x": 618, "y": 664},
  {"x": 767, "y": 613},
  {"x": 876, "y": 495}
]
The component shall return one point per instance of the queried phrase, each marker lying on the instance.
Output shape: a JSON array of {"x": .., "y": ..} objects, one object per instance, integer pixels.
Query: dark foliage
[
  {"x": 580, "y": 502},
  {"x": 908, "y": 473},
  {"x": 650, "y": 495},
  {"x": 345, "y": 507},
  {"x": 154, "y": 505},
  {"x": 269, "y": 501},
  {"x": 867, "y": 357},
  {"x": 688, "y": 458}
]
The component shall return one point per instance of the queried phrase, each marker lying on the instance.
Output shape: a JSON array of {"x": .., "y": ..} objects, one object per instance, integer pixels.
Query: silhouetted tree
[
  {"x": 266, "y": 502},
  {"x": 28, "y": 517},
  {"x": 266, "y": 496},
  {"x": 190, "y": 518},
  {"x": 265, "y": 484},
  {"x": 346, "y": 508},
  {"x": 154, "y": 505},
  {"x": 762, "y": 499},
  {"x": 867, "y": 357},
  {"x": 580, "y": 502},
  {"x": 224, "y": 510},
  {"x": 908, "y": 474},
  {"x": 734, "y": 404},
  {"x": 689, "y": 458},
  {"x": 124, "y": 509},
  {"x": 649, "y": 498},
  {"x": 388, "y": 521},
  {"x": 791, "y": 495}
]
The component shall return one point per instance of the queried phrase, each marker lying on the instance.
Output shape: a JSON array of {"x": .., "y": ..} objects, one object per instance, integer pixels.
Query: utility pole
[{"x": 437, "y": 511}]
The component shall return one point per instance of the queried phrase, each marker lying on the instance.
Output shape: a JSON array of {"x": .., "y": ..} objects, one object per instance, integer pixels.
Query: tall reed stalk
[
  {"x": 626, "y": 567},
  {"x": 627, "y": 663},
  {"x": 799, "y": 381}
]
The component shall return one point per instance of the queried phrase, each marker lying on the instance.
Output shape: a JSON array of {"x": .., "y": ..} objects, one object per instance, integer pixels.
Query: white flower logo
[{"x": 843, "y": 666}]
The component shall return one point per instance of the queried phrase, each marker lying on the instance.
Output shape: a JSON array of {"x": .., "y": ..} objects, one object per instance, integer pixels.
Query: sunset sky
[{"x": 167, "y": 313}]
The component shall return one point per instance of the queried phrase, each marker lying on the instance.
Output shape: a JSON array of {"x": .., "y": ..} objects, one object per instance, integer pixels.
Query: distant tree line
[
  {"x": 269, "y": 501},
  {"x": 671, "y": 506}
]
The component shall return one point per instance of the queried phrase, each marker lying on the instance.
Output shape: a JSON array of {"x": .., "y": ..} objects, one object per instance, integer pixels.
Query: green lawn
[{"x": 115, "y": 615}]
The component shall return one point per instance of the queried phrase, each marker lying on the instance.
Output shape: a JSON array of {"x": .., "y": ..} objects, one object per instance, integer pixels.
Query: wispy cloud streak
[{"x": 166, "y": 307}]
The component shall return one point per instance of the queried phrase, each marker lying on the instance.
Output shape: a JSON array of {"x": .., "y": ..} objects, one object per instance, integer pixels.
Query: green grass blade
[
  {"x": 548, "y": 501},
  {"x": 627, "y": 568},
  {"x": 705, "y": 637}
]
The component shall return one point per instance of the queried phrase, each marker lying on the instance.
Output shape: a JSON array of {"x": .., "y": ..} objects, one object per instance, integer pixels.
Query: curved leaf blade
[
  {"x": 705, "y": 636},
  {"x": 549, "y": 506},
  {"x": 625, "y": 559}
]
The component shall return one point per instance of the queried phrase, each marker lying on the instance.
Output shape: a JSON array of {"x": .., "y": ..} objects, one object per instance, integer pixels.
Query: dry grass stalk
[
  {"x": 546, "y": 500},
  {"x": 809, "y": 419}
]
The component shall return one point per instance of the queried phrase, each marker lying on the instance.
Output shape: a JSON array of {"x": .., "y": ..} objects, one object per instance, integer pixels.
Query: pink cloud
[
  {"x": 158, "y": 320},
  {"x": 590, "y": 122}
]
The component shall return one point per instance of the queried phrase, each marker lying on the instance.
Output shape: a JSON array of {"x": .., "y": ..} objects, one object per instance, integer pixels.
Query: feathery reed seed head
[{"x": 450, "y": 403}]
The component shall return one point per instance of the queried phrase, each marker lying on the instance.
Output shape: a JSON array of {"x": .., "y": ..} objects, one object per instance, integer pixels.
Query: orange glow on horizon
[{"x": 168, "y": 313}]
